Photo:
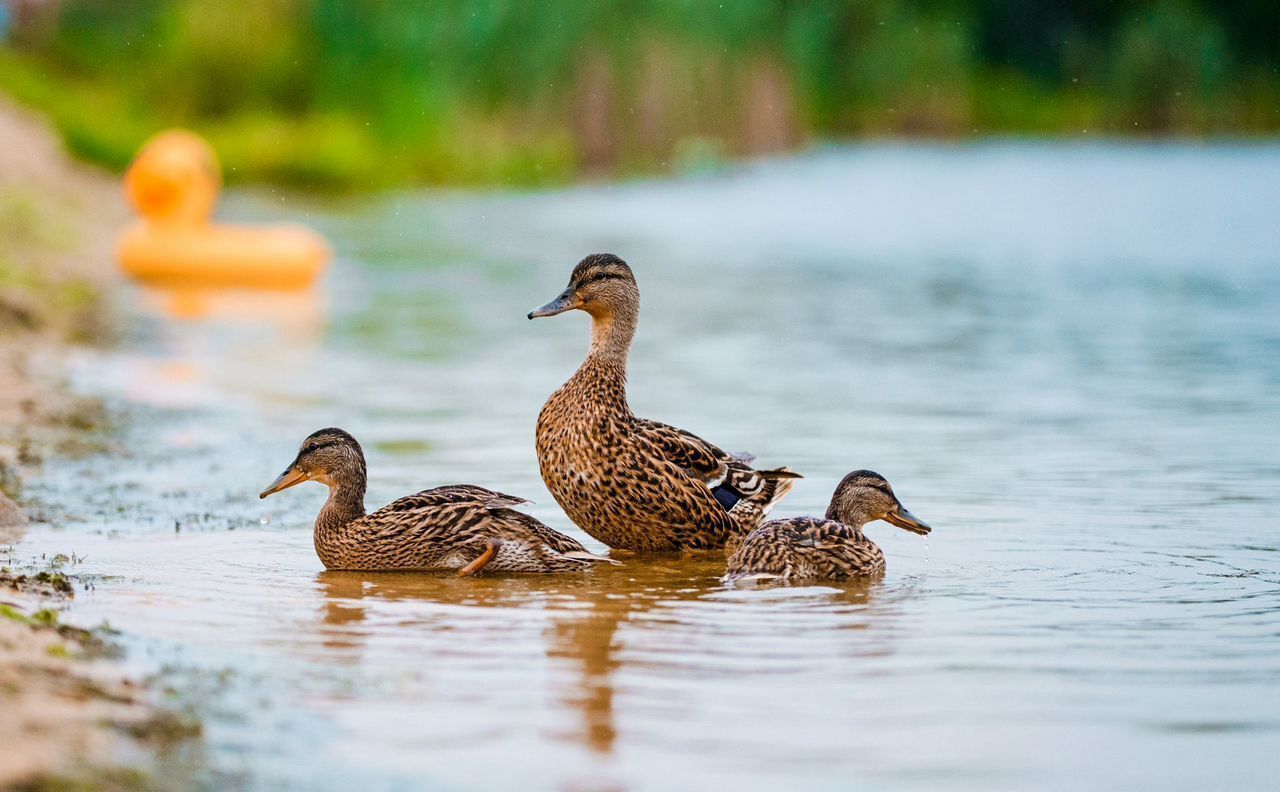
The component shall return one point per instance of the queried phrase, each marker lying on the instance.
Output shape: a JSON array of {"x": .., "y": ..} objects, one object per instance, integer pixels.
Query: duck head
[
  {"x": 602, "y": 285},
  {"x": 863, "y": 496},
  {"x": 329, "y": 456}
]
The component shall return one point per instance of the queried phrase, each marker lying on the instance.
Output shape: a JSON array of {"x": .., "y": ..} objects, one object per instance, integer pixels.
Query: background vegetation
[{"x": 350, "y": 94}]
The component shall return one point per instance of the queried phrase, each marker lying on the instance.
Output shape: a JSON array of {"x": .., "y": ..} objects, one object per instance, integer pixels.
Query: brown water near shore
[{"x": 1064, "y": 358}]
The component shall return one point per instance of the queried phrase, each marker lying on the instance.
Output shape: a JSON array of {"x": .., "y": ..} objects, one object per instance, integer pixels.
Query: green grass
[
  {"x": 13, "y": 614},
  {"x": 335, "y": 95}
]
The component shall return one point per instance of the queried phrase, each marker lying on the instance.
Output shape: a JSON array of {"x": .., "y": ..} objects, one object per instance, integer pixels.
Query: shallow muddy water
[{"x": 1066, "y": 358}]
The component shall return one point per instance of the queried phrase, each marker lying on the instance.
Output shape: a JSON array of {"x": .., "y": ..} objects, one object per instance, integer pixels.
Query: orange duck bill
[
  {"x": 905, "y": 519},
  {"x": 285, "y": 480}
]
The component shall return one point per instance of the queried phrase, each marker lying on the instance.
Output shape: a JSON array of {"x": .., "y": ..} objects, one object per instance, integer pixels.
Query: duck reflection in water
[{"x": 583, "y": 622}]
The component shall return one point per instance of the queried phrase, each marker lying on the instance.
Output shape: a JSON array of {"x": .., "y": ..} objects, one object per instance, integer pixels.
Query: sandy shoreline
[
  {"x": 70, "y": 715},
  {"x": 57, "y": 225}
]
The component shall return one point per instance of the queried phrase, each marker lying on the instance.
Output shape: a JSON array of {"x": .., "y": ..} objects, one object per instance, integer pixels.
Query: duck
[
  {"x": 459, "y": 527},
  {"x": 830, "y": 548},
  {"x": 632, "y": 483}
]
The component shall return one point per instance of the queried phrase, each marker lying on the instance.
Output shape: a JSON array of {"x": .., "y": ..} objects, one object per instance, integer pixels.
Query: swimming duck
[
  {"x": 629, "y": 482},
  {"x": 834, "y": 547},
  {"x": 459, "y": 527}
]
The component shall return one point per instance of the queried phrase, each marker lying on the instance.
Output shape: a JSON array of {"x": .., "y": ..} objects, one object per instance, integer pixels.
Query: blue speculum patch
[{"x": 726, "y": 496}]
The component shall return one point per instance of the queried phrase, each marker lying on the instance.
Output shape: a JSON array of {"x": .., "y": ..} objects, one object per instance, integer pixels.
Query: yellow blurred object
[{"x": 173, "y": 183}]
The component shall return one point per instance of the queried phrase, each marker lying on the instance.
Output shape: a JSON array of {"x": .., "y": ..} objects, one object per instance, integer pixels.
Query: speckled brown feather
[
  {"x": 806, "y": 547},
  {"x": 629, "y": 482}
]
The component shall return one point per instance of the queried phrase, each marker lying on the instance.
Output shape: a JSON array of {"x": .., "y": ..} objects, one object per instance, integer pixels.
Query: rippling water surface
[{"x": 1065, "y": 358}]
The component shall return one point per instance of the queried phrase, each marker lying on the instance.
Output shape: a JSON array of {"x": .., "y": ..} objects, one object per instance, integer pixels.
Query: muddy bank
[
  {"x": 57, "y": 223},
  {"x": 70, "y": 715}
]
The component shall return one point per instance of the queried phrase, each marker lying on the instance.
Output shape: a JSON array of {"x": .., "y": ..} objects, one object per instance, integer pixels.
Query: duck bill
[
  {"x": 905, "y": 519},
  {"x": 285, "y": 480},
  {"x": 564, "y": 302}
]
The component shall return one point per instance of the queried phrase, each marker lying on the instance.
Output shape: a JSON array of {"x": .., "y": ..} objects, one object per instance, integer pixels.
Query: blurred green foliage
[{"x": 345, "y": 94}]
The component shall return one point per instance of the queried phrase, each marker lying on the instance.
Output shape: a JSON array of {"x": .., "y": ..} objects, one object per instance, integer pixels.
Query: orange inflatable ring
[{"x": 173, "y": 184}]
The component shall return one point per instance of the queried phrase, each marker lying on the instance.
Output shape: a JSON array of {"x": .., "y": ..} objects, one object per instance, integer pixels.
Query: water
[{"x": 1066, "y": 358}]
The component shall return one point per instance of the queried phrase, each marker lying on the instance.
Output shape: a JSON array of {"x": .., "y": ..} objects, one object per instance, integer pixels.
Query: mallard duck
[
  {"x": 629, "y": 482},
  {"x": 459, "y": 527},
  {"x": 831, "y": 548}
]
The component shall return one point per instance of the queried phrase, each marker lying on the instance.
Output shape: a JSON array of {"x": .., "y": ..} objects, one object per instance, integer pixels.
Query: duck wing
[
  {"x": 768, "y": 552},
  {"x": 730, "y": 477},
  {"x": 536, "y": 533},
  {"x": 695, "y": 456},
  {"x": 834, "y": 549},
  {"x": 460, "y": 509},
  {"x": 461, "y": 514}
]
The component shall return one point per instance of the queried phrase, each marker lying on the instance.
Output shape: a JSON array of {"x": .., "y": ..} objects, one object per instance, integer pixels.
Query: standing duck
[
  {"x": 629, "y": 482},
  {"x": 831, "y": 548},
  {"x": 459, "y": 527}
]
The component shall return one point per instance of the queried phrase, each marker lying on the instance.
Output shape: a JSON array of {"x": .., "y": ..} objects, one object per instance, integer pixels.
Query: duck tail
[
  {"x": 780, "y": 473},
  {"x": 747, "y": 513},
  {"x": 777, "y": 483},
  {"x": 734, "y": 579},
  {"x": 584, "y": 555}
]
